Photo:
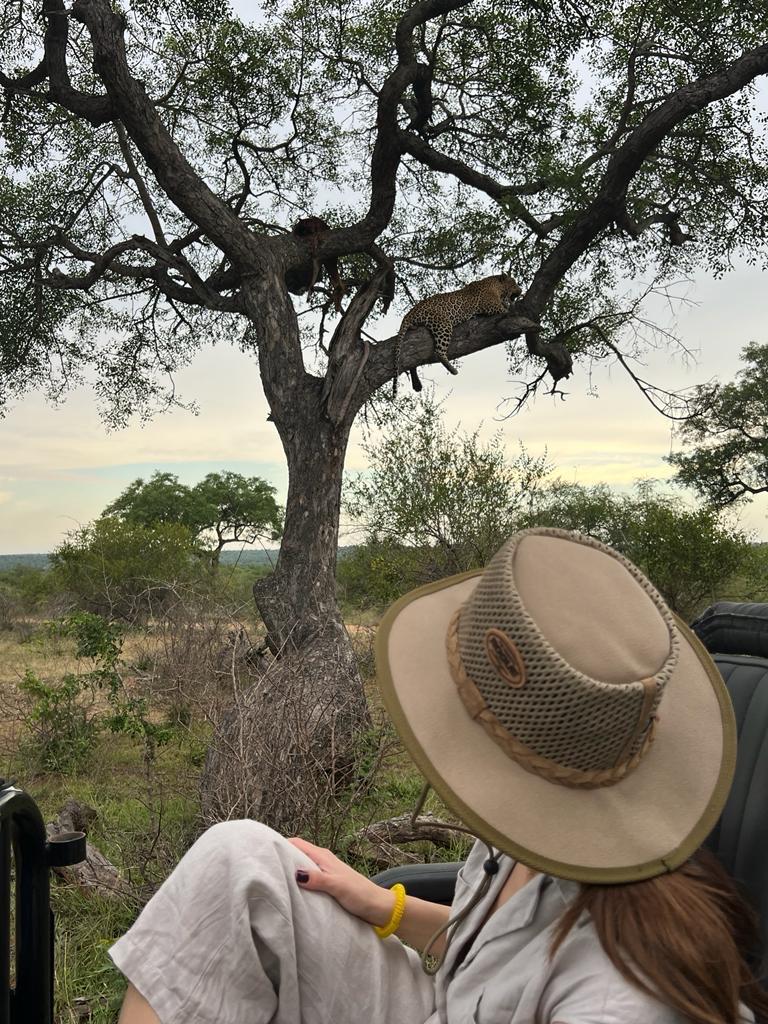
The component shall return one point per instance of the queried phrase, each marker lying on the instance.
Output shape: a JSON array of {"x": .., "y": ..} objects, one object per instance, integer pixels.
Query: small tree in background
[
  {"x": 727, "y": 437},
  {"x": 436, "y": 501},
  {"x": 236, "y": 510},
  {"x": 161, "y": 499},
  {"x": 444, "y": 494},
  {"x": 224, "y": 508},
  {"x": 122, "y": 569}
]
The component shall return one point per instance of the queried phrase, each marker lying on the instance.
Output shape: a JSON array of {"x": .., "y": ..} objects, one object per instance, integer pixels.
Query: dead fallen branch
[
  {"x": 96, "y": 873},
  {"x": 380, "y": 842}
]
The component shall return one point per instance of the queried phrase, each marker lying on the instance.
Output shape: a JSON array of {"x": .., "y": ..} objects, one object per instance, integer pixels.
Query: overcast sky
[{"x": 60, "y": 467}]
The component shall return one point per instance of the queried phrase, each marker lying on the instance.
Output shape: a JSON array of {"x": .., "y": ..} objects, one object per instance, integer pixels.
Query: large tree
[
  {"x": 156, "y": 157},
  {"x": 222, "y": 508}
]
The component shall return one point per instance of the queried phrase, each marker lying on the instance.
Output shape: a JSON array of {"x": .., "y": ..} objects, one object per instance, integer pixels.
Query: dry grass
[{"x": 149, "y": 813}]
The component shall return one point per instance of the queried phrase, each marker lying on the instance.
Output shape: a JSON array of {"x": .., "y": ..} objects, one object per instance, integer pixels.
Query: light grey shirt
[{"x": 506, "y": 977}]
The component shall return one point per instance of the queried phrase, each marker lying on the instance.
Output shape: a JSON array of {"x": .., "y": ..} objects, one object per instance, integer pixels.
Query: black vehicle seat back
[
  {"x": 734, "y": 627},
  {"x": 740, "y": 838}
]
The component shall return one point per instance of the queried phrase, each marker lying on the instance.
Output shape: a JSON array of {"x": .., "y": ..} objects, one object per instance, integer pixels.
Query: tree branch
[
  {"x": 418, "y": 348},
  {"x": 505, "y": 195},
  {"x": 624, "y": 164},
  {"x": 387, "y": 151},
  {"x": 183, "y": 185},
  {"x": 197, "y": 292}
]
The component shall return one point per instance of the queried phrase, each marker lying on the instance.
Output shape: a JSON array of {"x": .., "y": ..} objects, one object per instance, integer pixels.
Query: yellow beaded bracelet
[{"x": 397, "y": 913}]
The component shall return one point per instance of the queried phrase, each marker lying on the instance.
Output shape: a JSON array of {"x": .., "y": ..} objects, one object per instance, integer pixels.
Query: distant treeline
[
  {"x": 41, "y": 561},
  {"x": 31, "y": 561}
]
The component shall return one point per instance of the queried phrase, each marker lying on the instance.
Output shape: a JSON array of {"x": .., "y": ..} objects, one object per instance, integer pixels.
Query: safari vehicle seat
[{"x": 735, "y": 634}]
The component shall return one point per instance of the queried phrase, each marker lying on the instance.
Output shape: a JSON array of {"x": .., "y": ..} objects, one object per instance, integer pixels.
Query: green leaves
[
  {"x": 279, "y": 116},
  {"x": 62, "y": 720},
  {"x": 436, "y": 501},
  {"x": 125, "y": 570},
  {"x": 223, "y": 508},
  {"x": 430, "y": 488},
  {"x": 726, "y": 440}
]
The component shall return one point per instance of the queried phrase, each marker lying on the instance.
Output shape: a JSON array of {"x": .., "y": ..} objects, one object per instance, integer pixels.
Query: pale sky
[{"x": 60, "y": 467}]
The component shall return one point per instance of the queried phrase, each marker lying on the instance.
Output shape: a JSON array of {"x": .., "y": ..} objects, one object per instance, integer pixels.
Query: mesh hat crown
[{"x": 566, "y": 676}]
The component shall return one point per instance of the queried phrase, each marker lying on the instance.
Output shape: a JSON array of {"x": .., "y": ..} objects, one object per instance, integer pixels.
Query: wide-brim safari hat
[{"x": 560, "y": 710}]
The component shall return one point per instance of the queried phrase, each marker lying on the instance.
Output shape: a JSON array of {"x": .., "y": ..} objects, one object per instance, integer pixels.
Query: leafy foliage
[
  {"x": 29, "y": 587},
  {"x": 436, "y": 501},
  {"x": 727, "y": 437},
  {"x": 280, "y": 117},
  {"x": 223, "y": 508},
  {"x": 441, "y": 491},
  {"x": 689, "y": 553},
  {"x": 62, "y": 720},
  {"x": 122, "y": 569}
]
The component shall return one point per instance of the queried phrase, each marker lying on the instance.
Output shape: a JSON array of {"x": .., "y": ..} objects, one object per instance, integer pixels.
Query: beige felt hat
[{"x": 561, "y": 710}]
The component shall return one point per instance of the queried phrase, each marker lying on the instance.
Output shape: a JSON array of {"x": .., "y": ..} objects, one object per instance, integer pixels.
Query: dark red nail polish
[{"x": 302, "y": 877}]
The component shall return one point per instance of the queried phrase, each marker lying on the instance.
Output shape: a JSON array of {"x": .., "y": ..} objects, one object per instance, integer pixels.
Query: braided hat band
[{"x": 571, "y": 727}]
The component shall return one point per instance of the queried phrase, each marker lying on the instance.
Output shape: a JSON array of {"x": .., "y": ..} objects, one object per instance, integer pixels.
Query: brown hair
[{"x": 689, "y": 933}]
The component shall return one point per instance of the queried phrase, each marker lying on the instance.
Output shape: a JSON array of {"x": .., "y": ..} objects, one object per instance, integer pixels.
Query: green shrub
[
  {"x": 32, "y": 588},
  {"x": 62, "y": 731},
  {"x": 62, "y": 718},
  {"x": 440, "y": 491},
  {"x": 376, "y": 573},
  {"x": 126, "y": 570},
  {"x": 689, "y": 552}
]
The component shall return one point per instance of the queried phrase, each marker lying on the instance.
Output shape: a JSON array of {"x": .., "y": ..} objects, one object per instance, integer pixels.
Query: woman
[{"x": 585, "y": 736}]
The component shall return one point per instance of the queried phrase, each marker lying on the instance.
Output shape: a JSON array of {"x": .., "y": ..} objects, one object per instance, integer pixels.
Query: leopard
[{"x": 441, "y": 313}]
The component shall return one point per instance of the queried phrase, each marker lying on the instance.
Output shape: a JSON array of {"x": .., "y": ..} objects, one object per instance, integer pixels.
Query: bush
[
  {"x": 690, "y": 553},
  {"x": 441, "y": 491},
  {"x": 376, "y": 573},
  {"x": 125, "y": 570},
  {"x": 62, "y": 718}
]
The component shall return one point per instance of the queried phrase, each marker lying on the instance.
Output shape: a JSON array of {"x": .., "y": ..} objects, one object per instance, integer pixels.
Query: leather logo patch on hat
[{"x": 504, "y": 657}]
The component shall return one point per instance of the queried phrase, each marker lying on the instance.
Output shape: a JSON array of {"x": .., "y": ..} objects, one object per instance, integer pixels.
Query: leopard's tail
[{"x": 398, "y": 344}]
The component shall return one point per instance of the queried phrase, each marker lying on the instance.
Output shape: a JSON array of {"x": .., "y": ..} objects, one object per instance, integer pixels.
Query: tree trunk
[
  {"x": 298, "y": 600},
  {"x": 288, "y": 747}
]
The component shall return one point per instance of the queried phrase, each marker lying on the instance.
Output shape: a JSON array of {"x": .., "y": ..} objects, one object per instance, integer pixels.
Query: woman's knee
[{"x": 243, "y": 841}]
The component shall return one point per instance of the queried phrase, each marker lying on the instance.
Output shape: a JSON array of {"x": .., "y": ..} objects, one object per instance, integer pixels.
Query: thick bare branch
[{"x": 418, "y": 348}]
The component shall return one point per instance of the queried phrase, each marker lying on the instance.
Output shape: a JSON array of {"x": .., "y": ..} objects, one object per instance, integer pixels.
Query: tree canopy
[
  {"x": 223, "y": 508},
  {"x": 725, "y": 457},
  {"x": 155, "y": 159}
]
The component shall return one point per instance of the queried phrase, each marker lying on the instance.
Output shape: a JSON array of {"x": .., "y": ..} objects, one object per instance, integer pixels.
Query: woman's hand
[{"x": 353, "y": 891}]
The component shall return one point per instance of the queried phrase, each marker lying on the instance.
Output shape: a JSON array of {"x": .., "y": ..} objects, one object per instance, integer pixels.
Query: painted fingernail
[{"x": 302, "y": 877}]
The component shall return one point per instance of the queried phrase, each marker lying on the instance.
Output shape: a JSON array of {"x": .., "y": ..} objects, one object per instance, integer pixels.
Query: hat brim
[{"x": 649, "y": 823}]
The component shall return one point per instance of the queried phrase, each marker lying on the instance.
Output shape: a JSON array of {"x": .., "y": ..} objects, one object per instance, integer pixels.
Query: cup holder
[{"x": 66, "y": 848}]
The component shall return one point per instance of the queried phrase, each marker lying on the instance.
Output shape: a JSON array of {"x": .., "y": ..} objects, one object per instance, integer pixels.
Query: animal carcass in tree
[{"x": 302, "y": 279}]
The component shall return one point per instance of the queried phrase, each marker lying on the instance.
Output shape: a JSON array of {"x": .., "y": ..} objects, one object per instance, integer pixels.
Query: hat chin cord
[{"x": 490, "y": 868}]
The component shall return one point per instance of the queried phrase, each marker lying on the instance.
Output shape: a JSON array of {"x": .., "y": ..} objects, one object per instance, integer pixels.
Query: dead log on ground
[
  {"x": 379, "y": 842},
  {"x": 96, "y": 873}
]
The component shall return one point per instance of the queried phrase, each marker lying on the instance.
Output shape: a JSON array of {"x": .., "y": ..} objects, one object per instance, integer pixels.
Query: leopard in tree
[{"x": 440, "y": 314}]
